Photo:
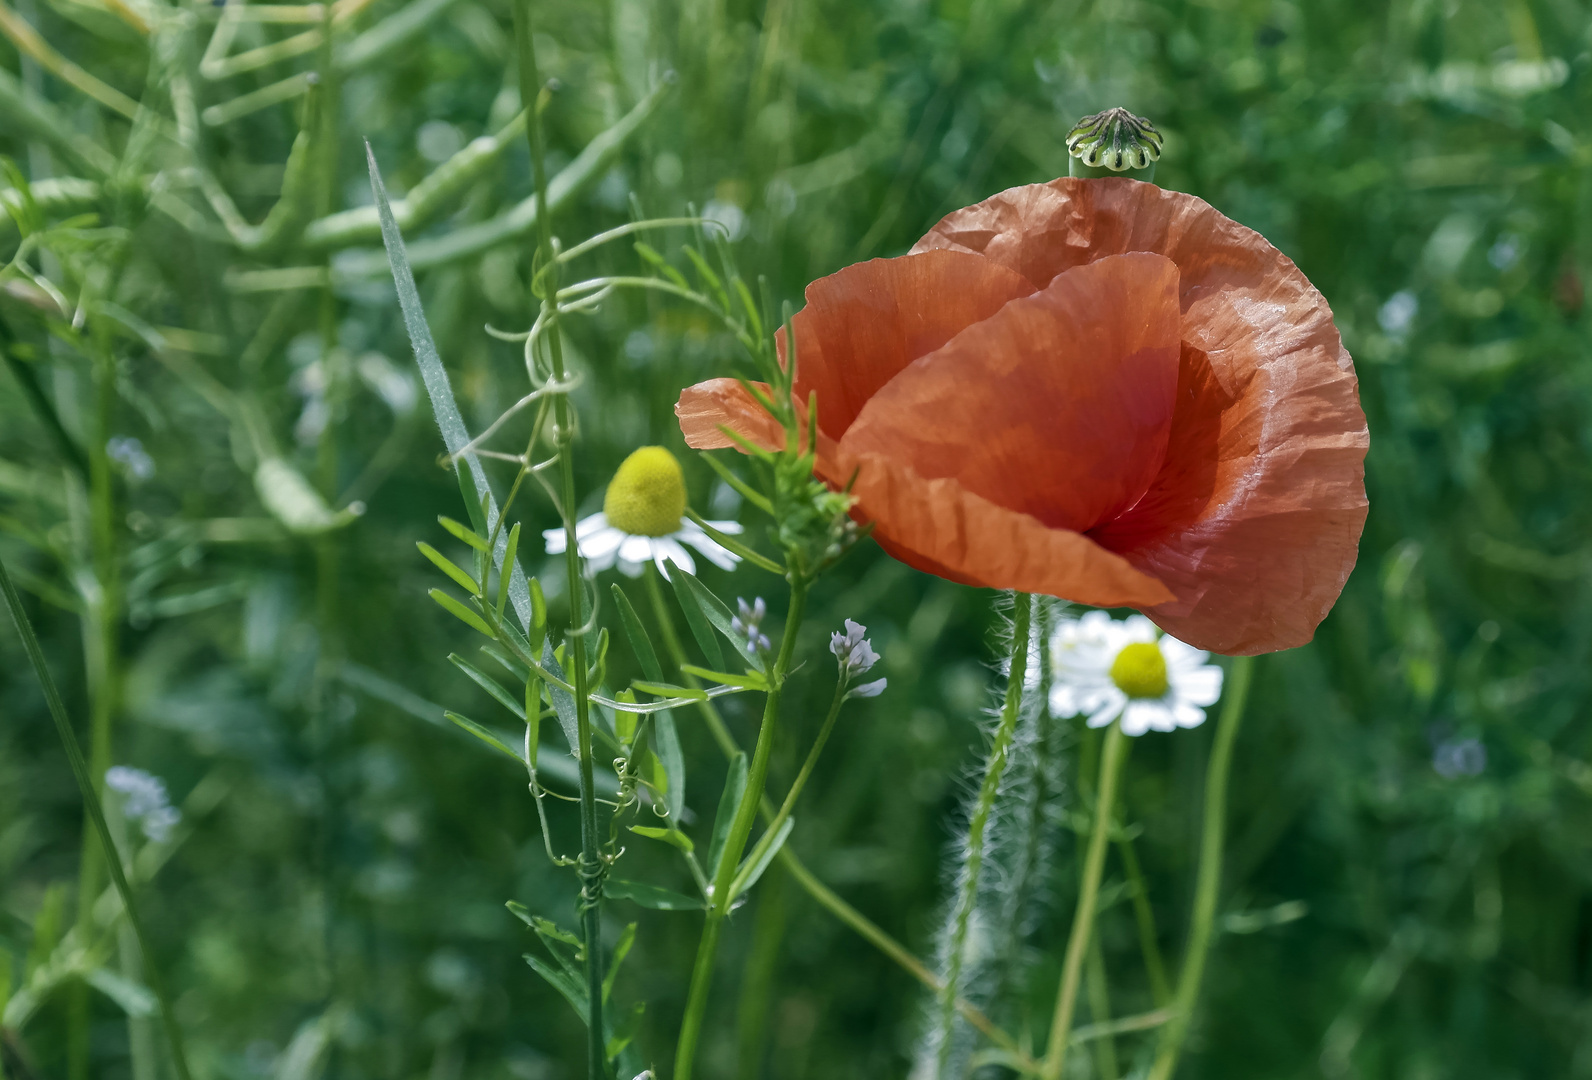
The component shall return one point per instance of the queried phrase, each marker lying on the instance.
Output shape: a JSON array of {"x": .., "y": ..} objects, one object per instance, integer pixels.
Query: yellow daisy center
[
  {"x": 1140, "y": 671},
  {"x": 647, "y": 495}
]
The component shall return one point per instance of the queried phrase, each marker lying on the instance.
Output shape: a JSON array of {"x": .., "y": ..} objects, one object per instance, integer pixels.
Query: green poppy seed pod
[{"x": 1113, "y": 143}]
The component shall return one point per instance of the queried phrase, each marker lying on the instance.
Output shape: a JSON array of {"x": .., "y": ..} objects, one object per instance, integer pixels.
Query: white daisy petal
[
  {"x": 1202, "y": 686},
  {"x": 1141, "y": 716},
  {"x": 732, "y": 528},
  {"x": 1109, "y": 708},
  {"x": 710, "y": 548},
  {"x": 1138, "y": 628},
  {"x": 555, "y": 540},
  {"x": 668, "y": 549},
  {"x": 634, "y": 553},
  {"x": 1186, "y": 715},
  {"x": 602, "y": 544},
  {"x": 1181, "y": 654},
  {"x": 591, "y": 525}
]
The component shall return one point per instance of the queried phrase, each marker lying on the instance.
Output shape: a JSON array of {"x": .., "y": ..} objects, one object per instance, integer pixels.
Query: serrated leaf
[
  {"x": 695, "y": 617},
  {"x": 443, "y": 563},
  {"x": 669, "y": 836},
  {"x": 460, "y": 612},
  {"x": 486, "y": 735},
  {"x": 729, "y": 802},
  {"x": 640, "y": 643},
  {"x": 651, "y": 896},
  {"x": 489, "y": 684}
]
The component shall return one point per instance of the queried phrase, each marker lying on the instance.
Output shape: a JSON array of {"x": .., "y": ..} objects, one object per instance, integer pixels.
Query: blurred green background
[{"x": 1409, "y": 888}]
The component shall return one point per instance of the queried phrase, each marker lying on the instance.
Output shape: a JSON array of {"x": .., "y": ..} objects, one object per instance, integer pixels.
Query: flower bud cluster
[
  {"x": 855, "y": 655},
  {"x": 146, "y": 801},
  {"x": 748, "y": 622}
]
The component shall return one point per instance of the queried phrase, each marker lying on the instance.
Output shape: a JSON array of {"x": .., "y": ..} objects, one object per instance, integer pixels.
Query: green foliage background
[{"x": 1428, "y": 163}]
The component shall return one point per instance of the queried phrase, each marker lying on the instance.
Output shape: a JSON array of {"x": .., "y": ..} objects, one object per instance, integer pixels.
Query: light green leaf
[
  {"x": 729, "y": 802},
  {"x": 651, "y": 896}
]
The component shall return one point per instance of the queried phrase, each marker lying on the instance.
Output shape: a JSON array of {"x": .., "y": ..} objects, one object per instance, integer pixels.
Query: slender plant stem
[
  {"x": 1144, "y": 917},
  {"x": 96, "y": 814},
  {"x": 827, "y": 898},
  {"x": 592, "y": 867},
  {"x": 1084, "y": 917},
  {"x": 801, "y": 778},
  {"x": 735, "y": 843},
  {"x": 101, "y": 648},
  {"x": 1208, "y": 882},
  {"x": 758, "y": 976},
  {"x": 1100, "y": 1012},
  {"x": 1022, "y": 611}
]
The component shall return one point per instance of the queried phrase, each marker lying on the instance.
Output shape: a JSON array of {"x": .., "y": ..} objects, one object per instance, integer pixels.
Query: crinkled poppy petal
[
  {"x": 707, "y": 408},
  {"x": 1256, "y": 517},
  {"x": 942, "y": 528},
  {"x": 1058, "y": 405},
  {"x": 865, "y": 323}
]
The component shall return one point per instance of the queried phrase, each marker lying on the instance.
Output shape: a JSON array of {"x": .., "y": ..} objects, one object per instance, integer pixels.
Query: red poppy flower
[{"x": 1094, "y": 389}]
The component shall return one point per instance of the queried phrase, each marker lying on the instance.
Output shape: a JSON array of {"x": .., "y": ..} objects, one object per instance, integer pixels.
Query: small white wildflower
[
  {"x": 146, "y": 802},
  {"x": 1104, "y": 669},
  {"x": 643, "y": 520},
  {"x": 855, "y": 655}
]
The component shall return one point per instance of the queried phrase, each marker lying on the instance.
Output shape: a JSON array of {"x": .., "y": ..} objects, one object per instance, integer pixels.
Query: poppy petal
[
  {"x": 865, "y": 323},
  {"x": 1057, "y": 406},
  {"x": 1256, "y": 517},
  {"x": 938, "y": 526},
  {"x": 708, "y": 407}
]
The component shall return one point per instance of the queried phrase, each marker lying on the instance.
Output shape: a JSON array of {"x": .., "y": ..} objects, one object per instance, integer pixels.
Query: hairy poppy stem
[
  {"x": 1084, "y": 917},
  {"x": 1022, "y": 612},
  {"x": 1208, "y": 884}
]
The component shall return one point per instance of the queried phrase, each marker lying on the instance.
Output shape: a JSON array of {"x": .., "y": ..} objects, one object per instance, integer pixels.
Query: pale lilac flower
[
  {"x": 749, "y": 620},
  {"x": 855, "y": 655},
  {"x": 146, "y": 803}
]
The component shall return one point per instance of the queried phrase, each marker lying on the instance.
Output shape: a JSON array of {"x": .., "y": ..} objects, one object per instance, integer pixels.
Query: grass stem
[{"x": 1208, "y": 883}]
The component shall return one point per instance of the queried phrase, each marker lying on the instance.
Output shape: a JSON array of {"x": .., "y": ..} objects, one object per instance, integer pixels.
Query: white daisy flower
[
  {"x": 643, "y": 520},
  {"x": 1104, "y": 669}
]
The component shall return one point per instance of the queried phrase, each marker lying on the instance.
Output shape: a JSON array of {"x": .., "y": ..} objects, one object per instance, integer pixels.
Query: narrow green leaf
[
  {"x": 749, "y": 493},
  {"x": 550, "y": 930},
  {"x": 489, "y": 684},
  {"x": 506, "y": 574},
  {"x": 462, "y": 613},
  {"x": 669, "y": 690},
  {"x": 486, "y": 735},
  {"x": 752, "y": 680},
  {"x": 627, "y": 938},
  {"x": 463, "y": 532},
  {"x": 640, "y": 643},
  {"x": 573, "y": 991},
  {"x": 696, "y": 619},
  {"x": 717, "y": 613},
  {"x": 729, "y": 802},
  {"x": 746, "y": 875},
  {"x": 651, "y": 896},
  {"x": 563, "y": 701},
  {"x": 666, "y": 741},
  {"x": 673, "y": 837}
]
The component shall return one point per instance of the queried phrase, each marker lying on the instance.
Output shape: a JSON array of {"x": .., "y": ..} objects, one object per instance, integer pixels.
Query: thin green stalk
[
  {"x": 1100, "y": 1012},
  {"x": 801, "y": 780},
  {"x": 593, "y": 868},
  {"x": 735, "y": 844},
  {"x": 1084, "y": 917},
  {"x": 1208, "y": 883},
  {"x": 757, "y": 979},
  {"x": 1022, "y": 611},
  {"x": 826, "y": 897},
  {"x": 1144, "y": 918},
  {"x": 96, "y": 813},
  {"x": 101, "y": 646}
]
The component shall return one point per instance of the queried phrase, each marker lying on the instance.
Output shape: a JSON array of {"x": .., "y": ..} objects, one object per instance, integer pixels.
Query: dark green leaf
[
  {"x": 696, "y": 619},
  {"x": 651, "y": 896},
  {"x": 489, "y": 684},
  {"x": 729, "y": 802},
  {"x": 640, "y": 643}
]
